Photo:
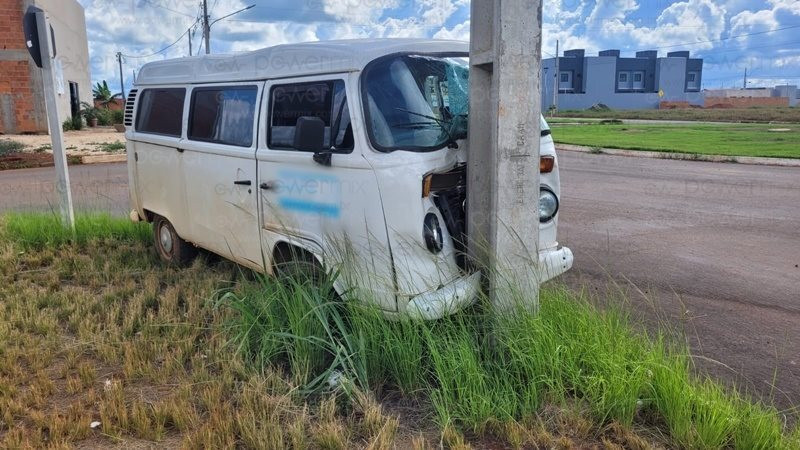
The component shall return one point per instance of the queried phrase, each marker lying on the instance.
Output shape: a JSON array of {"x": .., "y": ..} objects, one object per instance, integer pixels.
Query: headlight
[
  {"x": 432, "y": 233},
  {"x": 548, "y": 204}
]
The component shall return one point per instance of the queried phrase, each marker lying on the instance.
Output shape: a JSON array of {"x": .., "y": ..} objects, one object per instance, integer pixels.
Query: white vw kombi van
[{"x": 348, "y": 155}]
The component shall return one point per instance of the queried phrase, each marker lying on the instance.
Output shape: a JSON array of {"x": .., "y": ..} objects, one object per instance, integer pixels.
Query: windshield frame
[{"x": 365, "y": 106}]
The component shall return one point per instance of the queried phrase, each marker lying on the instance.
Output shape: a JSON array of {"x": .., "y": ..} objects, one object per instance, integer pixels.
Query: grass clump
[
  {"x": 477, "y": 370},
  {"x": 37, "y": 231},
  {"x": 8, "y": 146},
  {"x": 94, "y": 328}
]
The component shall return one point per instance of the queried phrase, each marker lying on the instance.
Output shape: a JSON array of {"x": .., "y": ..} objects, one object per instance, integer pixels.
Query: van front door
[
  {"x": 333, "y": 210},
  {"x": 220, "y": 171}
]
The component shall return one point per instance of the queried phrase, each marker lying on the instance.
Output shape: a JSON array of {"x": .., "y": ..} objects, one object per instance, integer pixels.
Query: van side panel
[
  {"x": 160, "y": 184},
  {"x": 157, "y": 168}
]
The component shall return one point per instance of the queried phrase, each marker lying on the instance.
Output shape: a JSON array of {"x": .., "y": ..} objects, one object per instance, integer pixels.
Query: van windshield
[{"x": 416, "y": 102}]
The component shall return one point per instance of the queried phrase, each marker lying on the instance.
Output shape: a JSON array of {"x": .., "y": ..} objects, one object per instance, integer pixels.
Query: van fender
[{"x": 305, "y": 245}]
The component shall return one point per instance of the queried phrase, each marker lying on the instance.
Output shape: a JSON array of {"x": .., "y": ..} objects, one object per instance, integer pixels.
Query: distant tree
[{"x": 102, "y": 93}]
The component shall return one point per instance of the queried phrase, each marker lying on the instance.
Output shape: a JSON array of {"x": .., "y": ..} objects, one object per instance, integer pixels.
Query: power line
[
  {"x": 724, "y": 39},
  {"x": 165, "y": 48},
  {"x": 168, "y": 9}
]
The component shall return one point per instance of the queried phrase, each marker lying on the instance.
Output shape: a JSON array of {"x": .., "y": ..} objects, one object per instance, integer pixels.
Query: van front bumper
[{"x": 463, "y": 291}]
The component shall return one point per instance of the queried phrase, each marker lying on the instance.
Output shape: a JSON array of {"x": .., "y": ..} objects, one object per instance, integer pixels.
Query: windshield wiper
[{"x": 443, "y": 125}]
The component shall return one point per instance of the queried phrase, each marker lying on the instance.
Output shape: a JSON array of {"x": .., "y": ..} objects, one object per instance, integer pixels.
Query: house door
[{"x": 74, "y": 99}]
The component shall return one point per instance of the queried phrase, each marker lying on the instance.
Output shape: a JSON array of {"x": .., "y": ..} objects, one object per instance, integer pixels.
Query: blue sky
[{"x": 730, "y": 34}]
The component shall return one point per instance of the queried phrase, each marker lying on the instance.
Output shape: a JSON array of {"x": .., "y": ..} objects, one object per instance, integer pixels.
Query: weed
[
  {"x": 95, "y": 329},
  {"x": 8, "y": 146},
  {"x": 111, "y": 147},
  {"x": 33, "y": 230}
]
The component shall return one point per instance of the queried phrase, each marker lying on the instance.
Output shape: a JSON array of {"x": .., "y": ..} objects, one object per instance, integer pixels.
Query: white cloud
[
  {"x": 357, "y": 11},
  {"x": 609, "y": 10},
  {"x": 683, "y": 22},
  {"x": 459, "y": 32}
]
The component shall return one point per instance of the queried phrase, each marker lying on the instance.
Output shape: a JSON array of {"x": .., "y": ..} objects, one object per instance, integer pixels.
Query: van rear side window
[
  {"x": 223, "y": 115},
  {"x": 161, "y": 111}
]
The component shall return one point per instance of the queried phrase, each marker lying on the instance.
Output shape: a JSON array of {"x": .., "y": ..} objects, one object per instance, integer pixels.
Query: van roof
[{"x": 286, "y": 60}]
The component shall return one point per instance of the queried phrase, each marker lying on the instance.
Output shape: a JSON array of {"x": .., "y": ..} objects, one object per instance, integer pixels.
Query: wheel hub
[{"x": 165, "y": 237}]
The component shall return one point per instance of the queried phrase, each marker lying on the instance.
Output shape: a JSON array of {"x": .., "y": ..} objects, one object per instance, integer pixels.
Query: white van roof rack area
[{"x": 288, "y": 60}]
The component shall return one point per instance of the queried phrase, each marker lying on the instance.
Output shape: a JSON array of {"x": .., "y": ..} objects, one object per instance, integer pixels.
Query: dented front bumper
[{"x": 463, "y": 291}]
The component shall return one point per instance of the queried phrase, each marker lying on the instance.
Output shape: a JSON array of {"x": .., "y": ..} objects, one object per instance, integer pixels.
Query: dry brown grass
[{"x": 103, "y": 332}]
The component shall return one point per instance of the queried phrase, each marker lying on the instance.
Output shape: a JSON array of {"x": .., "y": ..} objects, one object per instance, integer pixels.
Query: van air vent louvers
[{"x": 129, "y": 104}]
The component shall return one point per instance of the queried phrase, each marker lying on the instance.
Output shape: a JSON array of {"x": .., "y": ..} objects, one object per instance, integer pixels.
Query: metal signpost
[
  {"x": 504, "y": 134},
  {"x": 40, "y": 41}
]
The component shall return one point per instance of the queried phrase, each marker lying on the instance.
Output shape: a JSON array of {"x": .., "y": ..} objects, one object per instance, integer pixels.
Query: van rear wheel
[{"x": 171, "y": 248}]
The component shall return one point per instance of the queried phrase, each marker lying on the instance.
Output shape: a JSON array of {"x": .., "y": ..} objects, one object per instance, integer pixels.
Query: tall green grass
[
  {"x": 37, "y": 230},
  {"x": 476, "y": 368}
]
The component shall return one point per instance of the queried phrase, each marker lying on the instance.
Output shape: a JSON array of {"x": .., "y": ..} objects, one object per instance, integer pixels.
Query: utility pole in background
[
  {"x": 503, "y": 154},
  {"x": 745, "y": 77},
  {"x": 557, "y": 83},
  {"x": 121, "y": 81},
  {"x": 206, "y": 27},
  {"x": 190, "y": 42}
]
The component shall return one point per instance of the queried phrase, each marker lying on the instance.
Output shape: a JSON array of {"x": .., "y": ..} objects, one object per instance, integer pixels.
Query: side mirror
[{"x": 309, "y": 136}]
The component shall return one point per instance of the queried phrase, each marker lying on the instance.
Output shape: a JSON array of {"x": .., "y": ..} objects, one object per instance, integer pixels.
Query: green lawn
[
  {"x": 705, "y": 139},
  {"x": 756, "y": 114}
]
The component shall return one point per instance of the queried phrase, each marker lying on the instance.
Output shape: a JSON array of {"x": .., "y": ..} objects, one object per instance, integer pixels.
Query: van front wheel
[{"x": 169, "y": 246}]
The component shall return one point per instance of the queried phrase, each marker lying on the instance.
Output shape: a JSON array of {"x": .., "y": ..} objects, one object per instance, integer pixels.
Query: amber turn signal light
[
  {"x": 426, "y": 185},
  {"x": 546, "y": 164}
]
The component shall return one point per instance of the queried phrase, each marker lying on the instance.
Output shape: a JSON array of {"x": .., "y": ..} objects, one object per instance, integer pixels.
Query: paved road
[
  {"x": 711, "y": 249},
  {"x": 714, "y": 249}
]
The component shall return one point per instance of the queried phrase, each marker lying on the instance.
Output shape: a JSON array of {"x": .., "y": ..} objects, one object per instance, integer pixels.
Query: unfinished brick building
[{"x": 22, "y": 107}]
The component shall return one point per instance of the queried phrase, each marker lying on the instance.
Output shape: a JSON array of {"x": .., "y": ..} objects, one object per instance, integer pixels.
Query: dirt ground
[{"x": 88, "y": 141}]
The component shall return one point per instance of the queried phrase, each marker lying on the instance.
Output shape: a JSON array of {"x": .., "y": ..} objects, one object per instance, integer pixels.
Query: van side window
[
  {"x": 161, "y": 111},
  {"x": 324, "y": 99},
  {"x": 223, "y": 115}
]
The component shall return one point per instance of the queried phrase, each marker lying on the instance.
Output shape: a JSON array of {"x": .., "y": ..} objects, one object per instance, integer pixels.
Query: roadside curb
[
  {"x": 103, "y": 159},
  {"x": 753, "y": 160}
]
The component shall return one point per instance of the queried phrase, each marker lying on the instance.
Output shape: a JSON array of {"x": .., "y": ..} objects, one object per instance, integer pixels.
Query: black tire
[
  {"x": 291, "y": 263},
  {"x": 171, "y": 248}
]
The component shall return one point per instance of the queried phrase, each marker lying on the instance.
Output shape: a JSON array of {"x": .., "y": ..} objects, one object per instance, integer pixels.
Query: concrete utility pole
[
  {"x": 121, "y": 80},
  {"x": 504, "y": 134},
  {"x": 557, "y": 84},
  {"x": 49, "y": 81},
  {"x": 190, "y": 42},
  {"x": 745, "y": 77},
  {"x": 206, "y": 27}
]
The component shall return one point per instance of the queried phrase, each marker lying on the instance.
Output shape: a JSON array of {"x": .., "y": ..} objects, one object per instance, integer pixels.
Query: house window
[
  {"x": 161, "y": 111},
  {"x": 223, "y": 115},
  {"x": 692, "y": 79},
  {"x": 565, "y": 81},
  {"x": 624, "y": 81},
  {"x": 638, "y": 80}
]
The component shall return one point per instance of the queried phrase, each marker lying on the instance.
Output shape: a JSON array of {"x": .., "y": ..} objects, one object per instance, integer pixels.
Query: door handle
[
  {"x": 243, "y": 182},
  {"x": 180, "y": 150},
  {"x": 266, "y": 186}
]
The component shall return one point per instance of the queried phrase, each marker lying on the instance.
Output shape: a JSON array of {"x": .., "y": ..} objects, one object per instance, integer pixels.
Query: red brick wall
[
  {"x": 674, "y": 105},
  {"x": 745, "y": 102},
  {"x": 15, "y": 75}
]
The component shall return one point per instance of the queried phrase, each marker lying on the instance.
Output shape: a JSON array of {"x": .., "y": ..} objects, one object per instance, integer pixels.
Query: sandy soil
[{"x": 84, "y": 142}]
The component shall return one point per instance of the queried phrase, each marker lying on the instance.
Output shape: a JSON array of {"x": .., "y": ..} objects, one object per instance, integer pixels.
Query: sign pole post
[{"x": 44, "y": 44}]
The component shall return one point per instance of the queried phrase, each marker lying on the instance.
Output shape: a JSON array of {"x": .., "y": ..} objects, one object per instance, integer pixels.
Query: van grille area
[
  {"x": 129, "y": 104},
  {"x": 451, "y": 204}
]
